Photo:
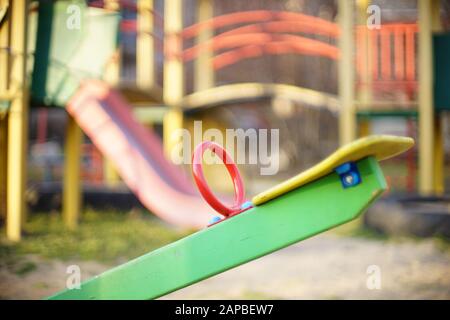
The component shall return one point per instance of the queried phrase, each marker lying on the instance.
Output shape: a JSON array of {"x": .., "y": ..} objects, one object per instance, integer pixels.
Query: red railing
[
  {"x": 391, "y": 49},
  {"x": 392, "y": 53},
  {"x": 263, "y": 35}
]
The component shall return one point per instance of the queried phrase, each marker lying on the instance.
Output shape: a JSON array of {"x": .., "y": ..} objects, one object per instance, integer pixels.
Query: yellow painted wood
[
  {"x": 439, "y": 157},
  {"x": 150, "y": 115},
  {"x": 112, "y": 5},
  {"x": 364, "y": 127},
  {"x": 254, "y": 90},
  {"x": 436, "y": 16},
  {"x": 111, "y": 76},
  {"x": 173, "y": 121},
  {"x": 145, "y": 52},
  {"x": 173, "y": 66},
  {"x": 3, "y": 166},
  {"x": 203, "y": 69},
  {"x": 347, "y": 115},
  {"x": 72, "y": 180},
  {"x": 173, "y": 72},
  {"x": 17, "y": 123},
  {"x": 4, "y": 84},
  {"x": 110, "y": 175},
  {"x": 439, "y": 152},
  {"x": 425, "y": 97},
  {"x": 365, "y": 94},
  {"x": 380, "y": 146},
  {"x": 4, "y": 43},
  {"x": 112, "y": 72}
]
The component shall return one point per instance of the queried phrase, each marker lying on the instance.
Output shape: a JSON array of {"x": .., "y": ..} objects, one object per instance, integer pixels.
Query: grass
[{"x": 101, "y": 236}]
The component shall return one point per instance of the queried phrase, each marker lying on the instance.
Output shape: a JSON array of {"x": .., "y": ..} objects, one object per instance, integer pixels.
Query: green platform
[
  {"x": 65, "y": 54},
  {"x": 295, "y": 216}
]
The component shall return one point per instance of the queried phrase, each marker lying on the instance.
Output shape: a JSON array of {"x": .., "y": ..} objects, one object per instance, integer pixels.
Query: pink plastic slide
[{"x": 137, "y": 154}]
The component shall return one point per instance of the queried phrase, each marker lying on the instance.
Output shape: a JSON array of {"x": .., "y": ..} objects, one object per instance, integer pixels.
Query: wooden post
[
  {"x": 426, "y": 111},
  {"x": 72, "y": 181},
  {"x": 17, "y": 123},
  {"x": 347, "y": 116},
  {"x": 145, "y": 49},
  {"x": 173, "y": 89},
  {"x": 204, "y": 72}
]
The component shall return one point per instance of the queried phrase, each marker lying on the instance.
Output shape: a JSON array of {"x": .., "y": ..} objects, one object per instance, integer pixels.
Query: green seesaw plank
[{"x": 297, "y": 215}]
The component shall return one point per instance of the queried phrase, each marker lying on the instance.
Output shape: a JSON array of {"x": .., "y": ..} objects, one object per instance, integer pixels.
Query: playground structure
[{"x": 57, "y": 77}]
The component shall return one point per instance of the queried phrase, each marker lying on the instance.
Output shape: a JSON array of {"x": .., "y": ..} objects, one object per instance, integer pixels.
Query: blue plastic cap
[
  {"x": 246, "y": 205},
  {"x": 343, "y": 168},
  {"x": 215, "y": 219}
]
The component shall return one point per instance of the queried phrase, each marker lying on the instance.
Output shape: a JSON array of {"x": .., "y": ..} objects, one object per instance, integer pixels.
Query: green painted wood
[
  {"x": 369, "y": 114},
  {"x": 297, "y": 215},
  {"x": 441, "y": 50},
  {"x": 4, "y": 107}
]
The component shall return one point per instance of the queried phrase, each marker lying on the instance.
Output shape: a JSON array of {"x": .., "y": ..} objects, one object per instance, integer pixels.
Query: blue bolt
[
  {"x": 349, "y": 174},
  {"x": 351, "y": 179}
]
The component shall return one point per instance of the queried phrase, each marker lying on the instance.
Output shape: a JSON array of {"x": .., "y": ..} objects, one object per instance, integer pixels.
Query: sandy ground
[{"x": 324, "y": 267}]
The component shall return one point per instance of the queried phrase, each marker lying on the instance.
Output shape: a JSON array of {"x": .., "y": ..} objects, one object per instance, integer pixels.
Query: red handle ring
[{"x": 203, "y": 187}]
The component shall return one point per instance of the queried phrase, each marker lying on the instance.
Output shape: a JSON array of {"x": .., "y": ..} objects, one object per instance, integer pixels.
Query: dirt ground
[{"x": 324, "y": 267}]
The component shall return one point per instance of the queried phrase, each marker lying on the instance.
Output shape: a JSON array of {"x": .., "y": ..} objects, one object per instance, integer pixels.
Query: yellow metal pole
[
  {"x": 112, "y": 72},
  {"x": 426, "y": 111},
  {"x": 203, "y": 69},
  {"x": 347, "y": 116},
  {"x": 72, "y": 181},
  {"x": 113, "y": 5},
  {"x": 364, "y": 127},
  {"x": 4, "y": 44},
  {"x": 439, "y": 152},
  {"x": 3, "y": 166},
  {"x": 364, "y": 49},
  {"x": 4, "y": 85},
  {"x": 145, "y": 48},
  {"x": 110, "y": 174},
  {"x": 17, "y": 122},
  {"x": 173, "y": 89},
  {"x": 112, "y": 76}
]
